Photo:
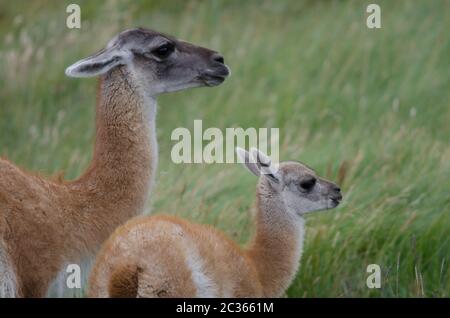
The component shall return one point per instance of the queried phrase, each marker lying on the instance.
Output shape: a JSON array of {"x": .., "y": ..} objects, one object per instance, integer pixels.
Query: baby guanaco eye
[
  {"x": 307, "y": 183},
  {"x": 164, "y": 50}
]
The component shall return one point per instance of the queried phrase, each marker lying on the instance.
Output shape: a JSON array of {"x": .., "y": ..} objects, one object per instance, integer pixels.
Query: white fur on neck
[{"x": 150, "y": 109}]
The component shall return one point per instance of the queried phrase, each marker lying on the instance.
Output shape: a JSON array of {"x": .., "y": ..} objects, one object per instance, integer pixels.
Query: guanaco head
[
  {"x": 158, "y": 63},
  {"x": 299, "y": 187}
]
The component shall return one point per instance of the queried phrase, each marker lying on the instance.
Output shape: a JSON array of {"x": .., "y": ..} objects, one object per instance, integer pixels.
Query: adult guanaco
[{"x": 44, "y": 223}]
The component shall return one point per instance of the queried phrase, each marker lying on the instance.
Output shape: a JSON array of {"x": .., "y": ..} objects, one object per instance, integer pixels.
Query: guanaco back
[{"x": 166, "y": 256}]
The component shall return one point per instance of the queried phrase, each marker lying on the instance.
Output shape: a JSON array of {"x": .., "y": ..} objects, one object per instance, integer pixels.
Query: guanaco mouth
[
  {"x": 214, "y": 78},
  {"x": 335, "y": 201}
]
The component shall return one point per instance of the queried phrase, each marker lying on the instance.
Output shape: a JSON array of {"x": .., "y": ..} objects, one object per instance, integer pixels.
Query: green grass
[{"x": 375, "y": 102}]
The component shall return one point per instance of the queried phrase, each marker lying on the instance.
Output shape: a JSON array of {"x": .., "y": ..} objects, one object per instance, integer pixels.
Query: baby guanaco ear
[
  {"x": 97, "y": 64},
  {"x": 249, "y": 162},
  {"x": 258, "y": 163},
  {"x": 265, "y": 165}
]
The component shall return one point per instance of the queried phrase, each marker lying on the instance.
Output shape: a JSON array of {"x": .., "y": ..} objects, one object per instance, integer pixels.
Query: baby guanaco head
[
  {"x": 156, "y": 62},
  {"x": 301, "y": 190}
]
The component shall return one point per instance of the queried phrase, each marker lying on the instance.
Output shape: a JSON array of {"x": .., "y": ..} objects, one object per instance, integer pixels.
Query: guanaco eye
[
  {"x": 164, "y": 50},
  {"x": 307, "y": 184}
]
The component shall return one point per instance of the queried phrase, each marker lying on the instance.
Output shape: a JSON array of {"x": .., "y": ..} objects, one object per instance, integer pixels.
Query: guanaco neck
[
  {"x": 277, "y": 245},
  {"x": 117, "y": 184}
]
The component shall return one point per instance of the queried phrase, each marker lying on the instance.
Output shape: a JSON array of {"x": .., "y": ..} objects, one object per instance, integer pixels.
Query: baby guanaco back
[{"x": 165, "y": 256}]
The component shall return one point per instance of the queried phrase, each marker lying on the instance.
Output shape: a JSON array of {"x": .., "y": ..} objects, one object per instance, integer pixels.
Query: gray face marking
[{"x": 158, "y": 63}]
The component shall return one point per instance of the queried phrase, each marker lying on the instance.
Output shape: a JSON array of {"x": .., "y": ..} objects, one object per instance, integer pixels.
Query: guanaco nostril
[{"x": 218, "y": 58}]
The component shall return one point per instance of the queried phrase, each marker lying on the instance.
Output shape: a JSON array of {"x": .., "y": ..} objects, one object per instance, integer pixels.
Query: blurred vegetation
[{"x": 372, "y": 103}]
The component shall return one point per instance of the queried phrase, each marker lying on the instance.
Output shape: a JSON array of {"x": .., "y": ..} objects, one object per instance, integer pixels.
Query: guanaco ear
[
  {"x": 97, "y": 64},
  {"x": 265, "y": 165},
  {"x": 249, "y": 162}
]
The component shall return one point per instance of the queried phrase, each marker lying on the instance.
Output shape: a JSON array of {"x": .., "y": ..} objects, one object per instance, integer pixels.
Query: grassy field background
[{"x": 375, "y": 102}]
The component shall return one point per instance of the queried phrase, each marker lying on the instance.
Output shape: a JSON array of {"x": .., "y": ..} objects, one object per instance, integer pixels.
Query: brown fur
[
  {"x": 158, "y": 245},
  {"x": 45, "y": 223},
  {"x": 124, "y": 282}
]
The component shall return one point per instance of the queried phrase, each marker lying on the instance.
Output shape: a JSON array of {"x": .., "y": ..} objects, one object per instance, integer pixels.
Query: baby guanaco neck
[{"x": 277, "y": 245}]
